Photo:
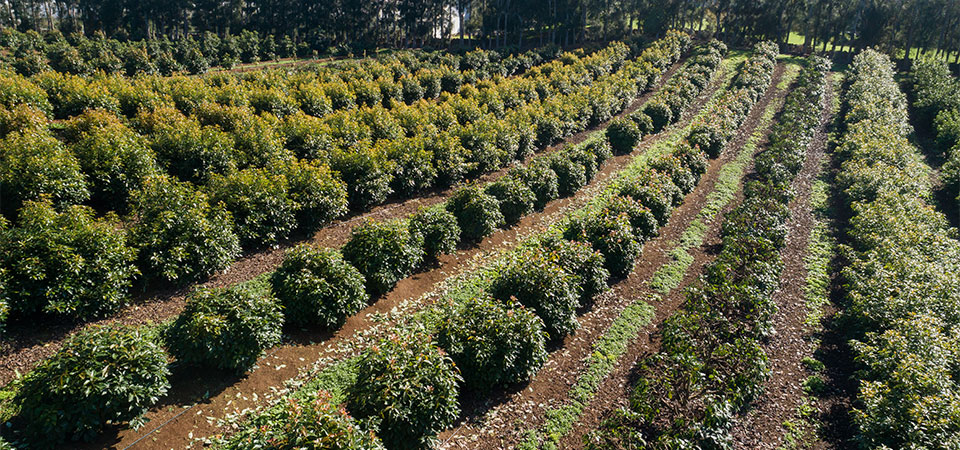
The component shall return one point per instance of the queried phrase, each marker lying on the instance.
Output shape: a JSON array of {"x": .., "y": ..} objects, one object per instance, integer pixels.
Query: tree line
[{"x": 888, "y": 24}]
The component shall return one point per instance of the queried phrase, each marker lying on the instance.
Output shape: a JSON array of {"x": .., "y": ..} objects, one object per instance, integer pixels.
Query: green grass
[
  {"x": 560, "y": 420},
  {"x": 607, "y": 351},
  {"x": 337, "y": 378},
  {"x": 670, "y": 275}
]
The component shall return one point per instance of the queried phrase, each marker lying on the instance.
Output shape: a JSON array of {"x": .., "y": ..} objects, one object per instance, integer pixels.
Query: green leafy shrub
[
  {"x": 642, "y": 221},
  {"x": 708, "y": 137},
  {"x": 438, "y": 229},
  {"x": 412, "y": 90},
  {"x": 317, "y": 288},
  {"x": 115, "y": 159},
  {"x": 190, "y": 151},
  {"x": 410, "y": 386},
  {"x": 655, "y": 191},
  {"x": 318, "y": 195},
  {"x": 623, "y": 135},
  {"x": 413, "y": 166},
  {"x": 303, "y": 423},
  {"x": 478, "y": 213},
  {"x": 611, "y": 234},
  {"x": 257, "y": 199},
  {"x": 273, "y": 101},
  {"x": 71, "y": 396},
  {"x": 538, "y": 282},
  {"x": 493, "y": 344},
  {"x": 659, "y": 113},
  {"x": 67, "y": 263},
  {"x": 35, "y": 164},
  {"x": 541, "y": 179},
  {"x": 682, "y": 176},
  {"x": 644, "y": 122},
  {"x": 515, "y": 198},
  {"x": 22, "y": 118},
  {"x": 570, "y": 175},
  {"x": 384, "y": 252},
  {"x": 366, "y": 173},
  {"x": 226, "y": 329},
  {"x": 17, "y": 90},
  {"x": 179, "y": 235},
  {"x": 584, "y": 264}
]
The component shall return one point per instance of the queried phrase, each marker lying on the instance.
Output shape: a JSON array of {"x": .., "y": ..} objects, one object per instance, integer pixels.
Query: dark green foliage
[
  {"x": 623, "y": 135},
  {"x": 412, "y": 90},
  {"x": 34, "y": 164},
  {"x": 67, "y": 263},
  {"x": 71, "y": 396},
  {"x": 263, "y": 214},
  {"x": 643, "y": 223},
  {"x": 549, "y": 130},
  {"x": 303, "y": 423},
  {"x": 179, "y": 235},
  {"x": 708, "y": 137},
  {"x": 384, "y": 252},
  {"x": 570, "y": 175},
  {"x": 438, "y": 229},
  {"x": 227, "y": 329},
  {"x": 413, "y": 166},
  {"x": 682, "y": 176},
  {"x": 659, "y": 113},
  {"x": 538, "y": 282},
  {"x": 317, "y": 288},
  {"x": 318, "y": 195},
  {"x": 582, "y": 262},
  {"x": 541, "y": 179},
  {"x": 366, "y": 173},
  {"x": 448, "y": 159},
  {"x": 410, "y": 386},
  {"x": 611, "y": 234},
  {"x": 115, "y": 160},
  {"x": 644, "y": 122},
  {"x": 193, "y": 153},
  {"x": 478, "y": 213},
  {"x": 493, "y": 344},
  {"x": 656, "y": 192},
  {"x": 515, "y": 198}
]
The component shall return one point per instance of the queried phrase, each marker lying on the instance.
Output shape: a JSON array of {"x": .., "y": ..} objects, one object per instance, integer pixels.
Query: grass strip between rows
[
  {"x": 336, "y": 377},
  {"x": 613, "y": 344}
]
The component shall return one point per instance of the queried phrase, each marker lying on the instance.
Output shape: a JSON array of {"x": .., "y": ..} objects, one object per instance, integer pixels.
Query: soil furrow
[
  {"x": 24, "y": 345},
  {"x": 762, "y": 427},
  {"x": 524, "y": 410},
  {"x": 219, "y": 394}
]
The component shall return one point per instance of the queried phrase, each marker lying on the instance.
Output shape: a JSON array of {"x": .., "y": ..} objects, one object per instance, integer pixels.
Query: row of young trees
[
  {"x": 319, "y": 288},
  {"x": 711, "y": 363},
  {"x": 892, "y": 24},
  {"x": 902, "y": 278}
]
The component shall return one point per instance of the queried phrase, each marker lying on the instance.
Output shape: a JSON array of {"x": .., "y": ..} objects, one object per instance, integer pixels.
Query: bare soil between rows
[
  {"x": 214, "y": 394},
  {"x": 503, "y": 426},
  {"x": 762, "y": 427},
  {"x": 24, "y": 344}
]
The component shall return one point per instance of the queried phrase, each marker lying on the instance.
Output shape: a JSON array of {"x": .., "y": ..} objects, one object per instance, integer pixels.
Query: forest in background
[{"x": 352, "y": 25}]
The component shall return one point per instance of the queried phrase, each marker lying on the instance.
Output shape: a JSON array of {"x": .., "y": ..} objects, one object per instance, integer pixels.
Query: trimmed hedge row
[
  {"x": 711, "y": 364},
  {"x": 229, "y": 329},
  {"x": 937, "y": 99},
  {"x": 666, "y": 107},
  {"x": 903, "y": 277},
  {"x": 257, "y": 193}
]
